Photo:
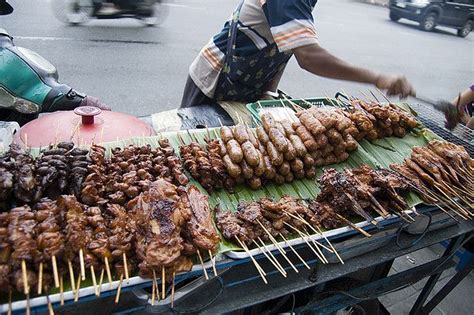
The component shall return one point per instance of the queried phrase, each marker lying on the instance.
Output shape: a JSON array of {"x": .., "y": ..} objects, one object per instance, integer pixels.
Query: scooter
[{"x": 76, "y": 12}]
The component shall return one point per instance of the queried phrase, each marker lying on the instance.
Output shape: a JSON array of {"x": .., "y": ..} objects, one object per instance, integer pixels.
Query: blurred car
[{"x": 458, "y": 14}]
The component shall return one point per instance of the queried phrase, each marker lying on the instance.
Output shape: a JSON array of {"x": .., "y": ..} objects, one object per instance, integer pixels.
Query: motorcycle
[{"x": 76, "y": 12}]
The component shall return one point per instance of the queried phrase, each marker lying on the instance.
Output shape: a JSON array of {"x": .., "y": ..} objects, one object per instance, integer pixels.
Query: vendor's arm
[
  {"x": 319, "y": 61},
  {"x": 464, "y": 99}
]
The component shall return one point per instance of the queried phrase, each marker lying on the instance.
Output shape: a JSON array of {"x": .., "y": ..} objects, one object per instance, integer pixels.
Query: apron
[{"x": 245, "y": 78}]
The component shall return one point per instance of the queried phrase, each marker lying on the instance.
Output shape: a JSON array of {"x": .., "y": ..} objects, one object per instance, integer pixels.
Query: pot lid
[{"x": 83, "y": 126}]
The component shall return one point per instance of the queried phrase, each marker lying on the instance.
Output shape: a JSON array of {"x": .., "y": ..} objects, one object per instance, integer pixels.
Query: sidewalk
[{"x": 458, "y": 302}]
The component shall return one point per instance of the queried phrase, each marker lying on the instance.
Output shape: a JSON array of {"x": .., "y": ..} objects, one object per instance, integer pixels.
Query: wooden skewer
[
  {"x": 306, "y": 232},
  {"x": 213, "y": 261},
  {"x": 76, "y": 297},
  {"x": 325, "y": 238},
  {"x": 172, "y": 291},
  {"x": 280, "y": 249},
  {"x": 155, "y": 282},
  {"x": 83, "y": 268},
  {"x": 50, "y": 306},
  {"x": 107, "y": 269},
  {"x": 259, "y": 269},
  {"x": 125, "y": 266},
  {"x": 117, "y": 297},
  {"x": 163, "y": 280},
  {"x": 294, "y": 251},
  {"x": 274, "y": 257},
  {"x": 279, "y": 268},
  {"x": 202, "y": 264},
  {"x": 318, "y": 253},
  {"x": 61, "y": 290},
  {"x": 9, "y": 302},
  {"x": 352, "y": 225},
  {"x": 94, "y": 282},
  {"x": 55, "y": 271},
  {"x": 40, "y": 279},
  {"x": 101, "y": 280},
  {"x": 71, "y": 276},
  {"x": 451, "y": 200},
  {"x": 28, "y": 304},
  {"x": 153, "y": 290},
  {"x": 26, "y": 288}
]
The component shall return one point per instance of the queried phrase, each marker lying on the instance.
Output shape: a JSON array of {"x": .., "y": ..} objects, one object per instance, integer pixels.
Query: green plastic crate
[{"x": 254, "y": 108}]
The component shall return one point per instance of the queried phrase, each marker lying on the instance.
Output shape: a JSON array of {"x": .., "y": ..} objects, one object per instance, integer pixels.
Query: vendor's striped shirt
[{"x": 288, "y": 23}]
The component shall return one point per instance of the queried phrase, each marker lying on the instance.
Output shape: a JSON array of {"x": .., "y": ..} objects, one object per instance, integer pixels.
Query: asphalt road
[{"x": 142, "y": 70}]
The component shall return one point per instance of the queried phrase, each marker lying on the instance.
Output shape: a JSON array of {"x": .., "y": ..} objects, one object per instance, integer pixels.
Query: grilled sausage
[
  {"x": 289, "y": 178},
  {"x": 259, "y": 170},
  {"x": 255, "y": 183},
  {"x": 235, "y": 151},
  {"x": 311, "y": 123},
  {"x": 319, "y": 161},
  {"x": 334, "y": 136},
  {"x": 339, "y": 148},
  {"x": 328, "y": 149},
  {"x": 247, "y": 171},
  {"x": 250, "y": 154},
  {"x": 296, "y": 165},
  {"x": 322, "y": 141},
  {"x": 311, "y": 172},
  {"x": 233, "y": 169},
  {"x": 287, "y": 127},
  {"x": 308, "y": 160},
  {"x": 280, "y": 128},
  {"x": 278, "y": 140},
  {"x": 342, "y": 157},
  {"x": 270, "y": 171},
  {"x": 290, "y": 155},
  {"x": 298, "y": 145},
  {"x": 262, "y": 135},
  {"x": 299, "y": 174},
  {"x": 284, "y": 168},
  {"x": 279, "y": 179},
  {"x": 268, "y": 121},
  {"x": 223, "y": 150},
  {"x": 275, "y": 156},
  {"x": 305, "y": 136},
  {"x": 253, "y": 139},
  {"x": 330, "y": 159},
  {"x": 226, "y": 134},
  {"x": 240, "y": 133}
]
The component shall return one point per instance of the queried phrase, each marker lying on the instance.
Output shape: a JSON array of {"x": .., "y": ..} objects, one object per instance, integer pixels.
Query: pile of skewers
[
  {"x": 128, "y": 172},
  {"x": 60, "y": 169},
  {"x": 166, "y": 226},
  {"x": 442, "y": 174},
  {"x": 281, "y": 151},
  {"x": 376, "y": 121},
  {"x": 357, "y": 192}
]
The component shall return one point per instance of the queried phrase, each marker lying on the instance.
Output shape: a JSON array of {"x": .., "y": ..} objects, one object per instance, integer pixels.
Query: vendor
[
  {"x": 246, "y": 60},
  {"x": 464, "y": 103}
]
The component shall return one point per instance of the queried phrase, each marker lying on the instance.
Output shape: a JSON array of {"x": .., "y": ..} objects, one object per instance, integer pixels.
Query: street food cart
[{"x": 267, "y": 210}]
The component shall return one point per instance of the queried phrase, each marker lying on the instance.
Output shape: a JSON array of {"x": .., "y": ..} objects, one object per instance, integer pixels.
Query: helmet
[{"x": 5, "y": 8}]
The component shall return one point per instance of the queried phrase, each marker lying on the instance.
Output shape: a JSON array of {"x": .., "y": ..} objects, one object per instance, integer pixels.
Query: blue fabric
[{"x": 279, "y": 12}]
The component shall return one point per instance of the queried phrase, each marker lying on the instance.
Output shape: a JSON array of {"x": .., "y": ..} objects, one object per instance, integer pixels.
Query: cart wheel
[
  {"x": 394, "y": 17},
  {"x": 429, "y": 22},
  {"x": 467, "y": 28}
]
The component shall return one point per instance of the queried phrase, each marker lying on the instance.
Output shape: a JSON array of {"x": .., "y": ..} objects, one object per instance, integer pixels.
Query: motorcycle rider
[{"x": 60, "y": 97}]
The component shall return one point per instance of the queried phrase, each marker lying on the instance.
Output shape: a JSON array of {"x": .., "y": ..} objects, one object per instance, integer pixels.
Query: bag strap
[{"x": 232, "y": 38}]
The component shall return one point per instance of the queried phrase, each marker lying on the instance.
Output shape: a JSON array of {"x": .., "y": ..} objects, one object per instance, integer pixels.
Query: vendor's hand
[
  {"x": 395, "y": 86},
  {"x": 93, "y": 101}
]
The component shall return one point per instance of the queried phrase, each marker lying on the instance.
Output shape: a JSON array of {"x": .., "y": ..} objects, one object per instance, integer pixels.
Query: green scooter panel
[{"x": 20, "y": 79}]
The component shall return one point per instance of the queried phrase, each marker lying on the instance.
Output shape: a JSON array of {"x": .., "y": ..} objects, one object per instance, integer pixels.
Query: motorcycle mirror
[{"x": 5, "y": 8}]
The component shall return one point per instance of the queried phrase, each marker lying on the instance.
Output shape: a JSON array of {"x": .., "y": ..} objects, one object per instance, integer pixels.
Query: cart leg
[{"x": 453, "y": 246}]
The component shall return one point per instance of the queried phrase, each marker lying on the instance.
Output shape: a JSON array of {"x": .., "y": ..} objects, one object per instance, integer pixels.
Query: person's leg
[{"x": 193, "y": 96}]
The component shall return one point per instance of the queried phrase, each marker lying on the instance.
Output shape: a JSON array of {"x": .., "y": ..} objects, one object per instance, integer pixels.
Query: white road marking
[{"x": 44, "y": 38}]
